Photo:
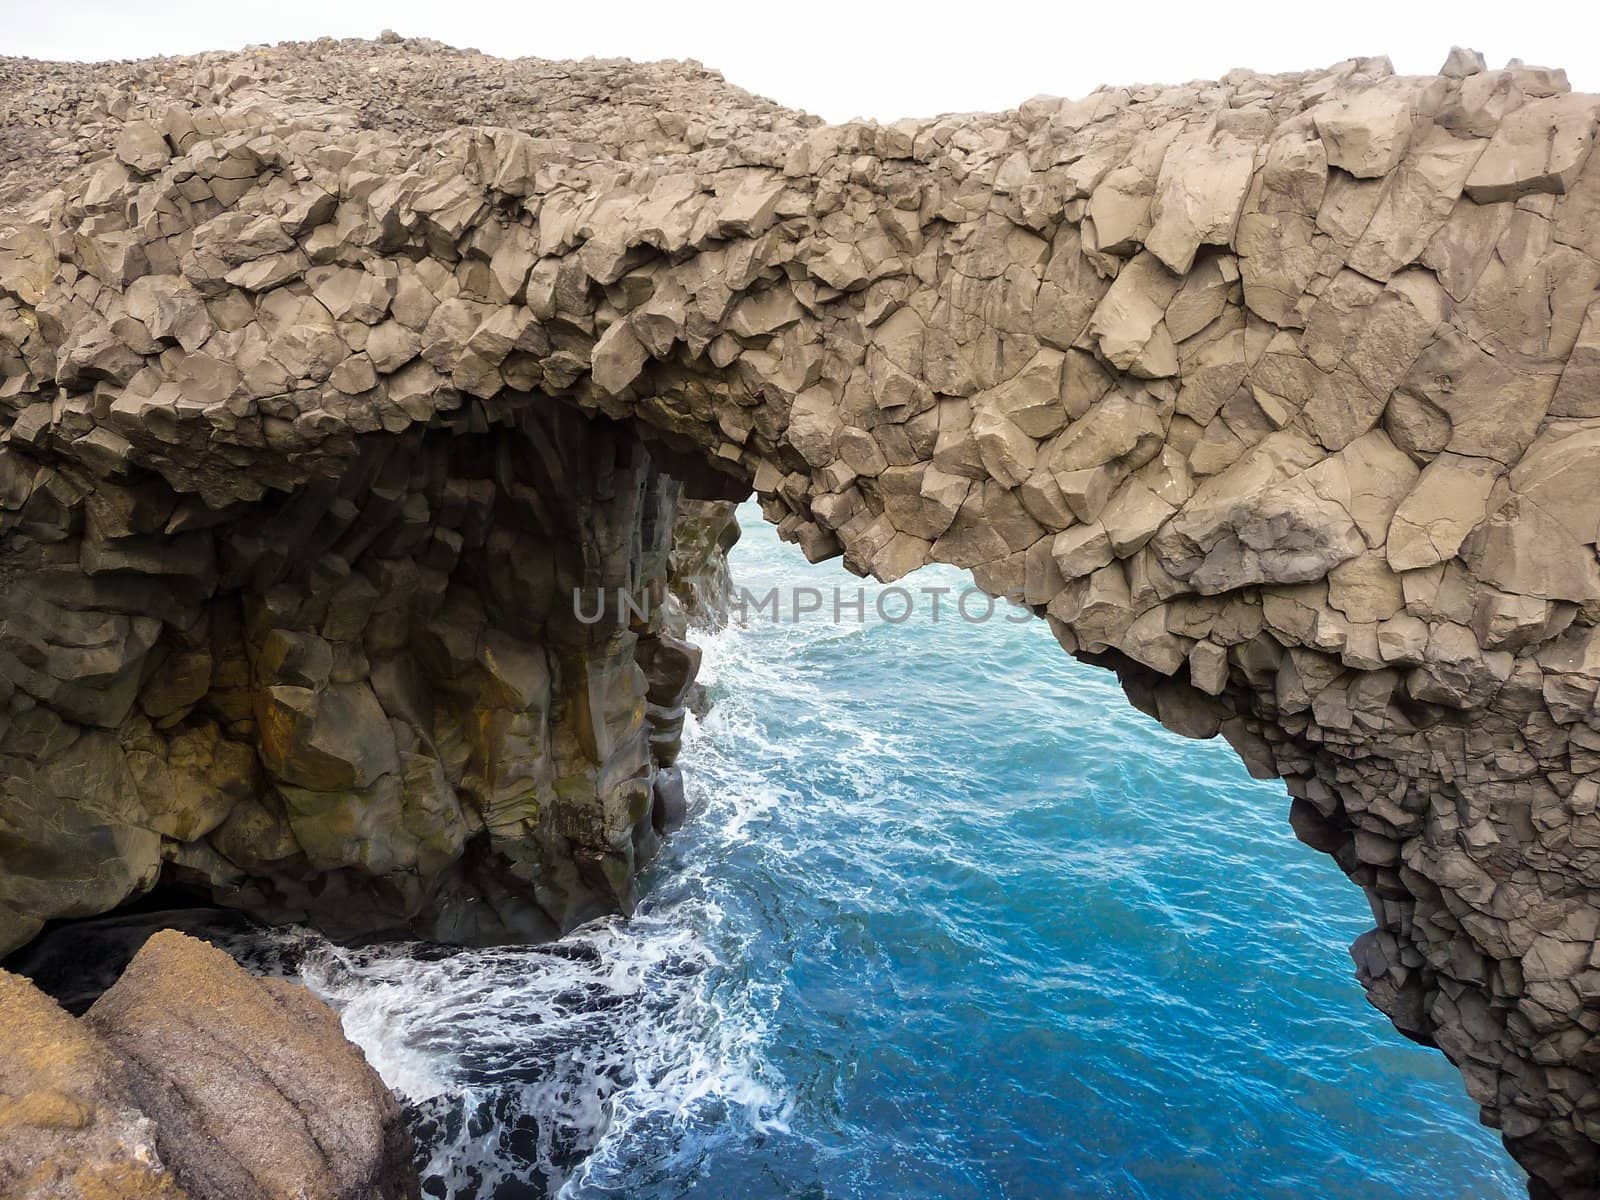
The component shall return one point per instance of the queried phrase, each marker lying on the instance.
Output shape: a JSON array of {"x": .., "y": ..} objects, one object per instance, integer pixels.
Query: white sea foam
[
  {"x": 982, "y": 964},
  {"x": 544, "y": 1063},
  {"x": 552, "y": 1069}
]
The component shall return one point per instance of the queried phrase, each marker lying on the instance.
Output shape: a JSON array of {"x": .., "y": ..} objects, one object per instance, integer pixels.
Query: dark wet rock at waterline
[
  {"x": 670, "y": 806},
  {"x": 76, "y": 962}
]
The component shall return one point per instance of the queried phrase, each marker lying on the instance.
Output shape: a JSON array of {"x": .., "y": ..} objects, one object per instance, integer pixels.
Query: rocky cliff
[{"x": 329, "y": 369}]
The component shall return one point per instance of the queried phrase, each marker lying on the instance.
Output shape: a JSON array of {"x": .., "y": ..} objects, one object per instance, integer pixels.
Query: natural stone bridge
[{"x": 1278, "y": 395}]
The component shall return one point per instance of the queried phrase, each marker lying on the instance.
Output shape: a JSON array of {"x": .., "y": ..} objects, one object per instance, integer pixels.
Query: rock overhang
[{"x": 1274, "y": 394}]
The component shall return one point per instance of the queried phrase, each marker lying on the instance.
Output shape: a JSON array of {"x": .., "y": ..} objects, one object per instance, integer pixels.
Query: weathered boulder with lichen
[
  {"x": 69, "y": 1124},
  {"x": 330, "y": 368},
  {"x": 192, "y": 1080}
]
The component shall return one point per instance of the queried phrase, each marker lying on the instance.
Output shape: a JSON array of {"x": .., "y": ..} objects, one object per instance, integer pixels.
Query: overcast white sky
[{"x": 867, "y": 58}]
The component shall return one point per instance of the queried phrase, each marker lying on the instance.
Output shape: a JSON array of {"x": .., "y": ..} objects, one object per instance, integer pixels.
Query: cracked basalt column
[
  {"x": 369, "y": 702},
  {"x": 1278, "y": 395}
]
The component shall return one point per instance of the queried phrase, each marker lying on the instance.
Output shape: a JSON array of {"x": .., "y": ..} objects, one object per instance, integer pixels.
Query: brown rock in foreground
[
  {"x": 329, "y": 370},
  {"x": 70, "y": 1128},
  {"x": 254, "y": 1090},
  {"x": 191, "y": 1078}
]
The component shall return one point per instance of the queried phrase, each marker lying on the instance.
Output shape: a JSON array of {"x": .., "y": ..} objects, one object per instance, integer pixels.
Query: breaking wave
[{"x": 949, "y": 921}]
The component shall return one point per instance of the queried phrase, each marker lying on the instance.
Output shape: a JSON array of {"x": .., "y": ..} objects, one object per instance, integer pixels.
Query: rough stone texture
[
  {"x": 698, "y": 575},
  {"x": 254, "y": 1090},
  {"x": 190, "y": 1078},
  {"x": 70, "y": 1128},
  {"x": 1275, "y": 395}
]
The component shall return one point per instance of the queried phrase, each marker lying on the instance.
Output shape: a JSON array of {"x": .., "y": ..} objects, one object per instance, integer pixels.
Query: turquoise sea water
[{"x": 951, "y": 920}]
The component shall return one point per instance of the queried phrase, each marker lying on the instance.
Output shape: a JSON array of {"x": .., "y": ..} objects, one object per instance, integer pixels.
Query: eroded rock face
[
  {"x": 1275, "y": 395},
  {"x": 702, "y": 535},
  {"x": 368, "y": 702},
  {"x": 190, "y": 1078}
]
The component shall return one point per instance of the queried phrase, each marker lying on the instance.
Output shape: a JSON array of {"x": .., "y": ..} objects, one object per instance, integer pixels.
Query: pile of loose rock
[{"x": 1279, "y": 395}]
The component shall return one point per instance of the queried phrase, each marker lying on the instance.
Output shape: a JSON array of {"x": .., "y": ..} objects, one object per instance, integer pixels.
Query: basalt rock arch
[{"x": 329, "y": 369}]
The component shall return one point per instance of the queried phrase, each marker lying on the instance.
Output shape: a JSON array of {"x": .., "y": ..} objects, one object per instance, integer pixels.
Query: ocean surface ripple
[{"x": 950, "y": 920}]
